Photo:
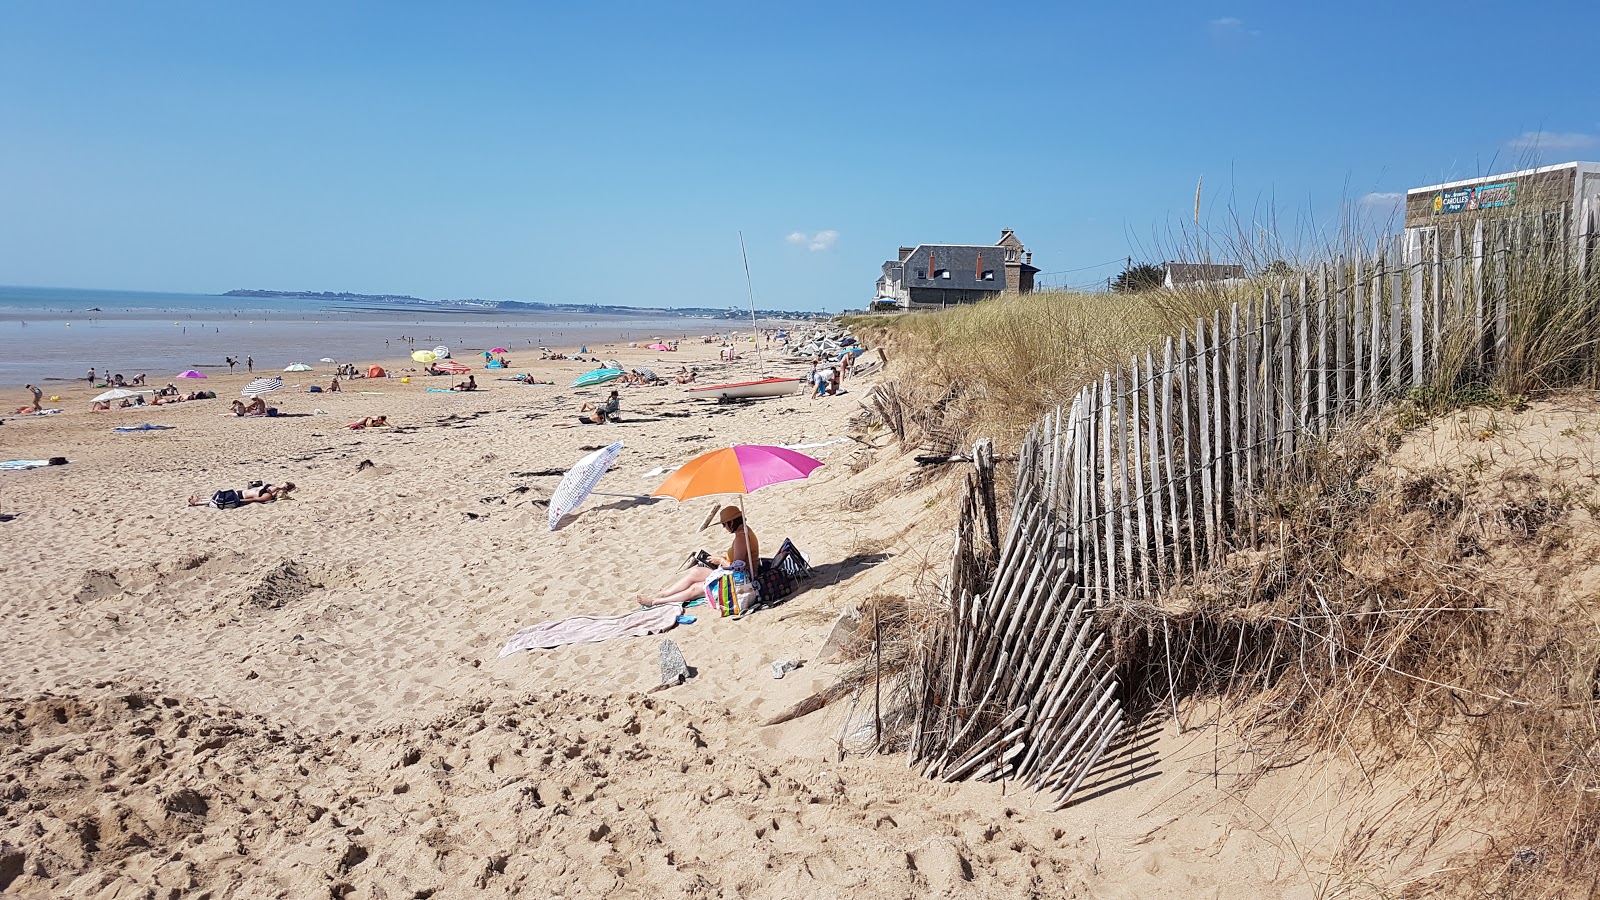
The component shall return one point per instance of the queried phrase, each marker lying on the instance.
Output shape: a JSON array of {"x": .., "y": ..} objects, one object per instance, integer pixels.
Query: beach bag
[
  {"x": 791, "y": 561},
  {"x": 227, "y": 499},
  {"x": 780, "y": 575},
  {"x": 731, "y": 592}
]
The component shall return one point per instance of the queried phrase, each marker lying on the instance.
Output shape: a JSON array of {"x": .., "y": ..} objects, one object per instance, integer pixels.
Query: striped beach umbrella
[
  {"x": 579, "y": 481},
  {"x": 263, "y": 386}
]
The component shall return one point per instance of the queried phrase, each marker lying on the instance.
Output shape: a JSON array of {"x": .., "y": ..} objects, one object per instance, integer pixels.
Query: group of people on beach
[{"x": 256, "y": 407}]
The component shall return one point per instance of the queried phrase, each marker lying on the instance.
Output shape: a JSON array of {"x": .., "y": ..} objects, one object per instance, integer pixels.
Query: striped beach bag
[{"x": 730, "y": 591}]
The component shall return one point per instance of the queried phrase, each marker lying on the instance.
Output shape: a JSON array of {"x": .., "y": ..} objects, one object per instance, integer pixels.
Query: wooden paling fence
[{"x": 1158, "y": 469}]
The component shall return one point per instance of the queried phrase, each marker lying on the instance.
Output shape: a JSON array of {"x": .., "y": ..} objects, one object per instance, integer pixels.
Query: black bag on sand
[
  {"x": 227, "y": 499},
  {"x": 779, "y": 576}
]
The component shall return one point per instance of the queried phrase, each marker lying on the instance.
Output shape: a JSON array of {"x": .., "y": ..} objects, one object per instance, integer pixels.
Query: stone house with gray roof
[{"x": 934, "y": 276}]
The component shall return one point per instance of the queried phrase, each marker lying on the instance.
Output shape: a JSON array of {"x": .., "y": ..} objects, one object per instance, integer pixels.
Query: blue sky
[{"x": 611, "y": 152}]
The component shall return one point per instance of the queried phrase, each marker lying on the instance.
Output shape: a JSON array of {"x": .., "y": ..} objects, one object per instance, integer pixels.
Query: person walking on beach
[
  {"x": 250, "y": 363},
  {"x": 38, "y": 396},
  {"x": 91, "y": 375}
]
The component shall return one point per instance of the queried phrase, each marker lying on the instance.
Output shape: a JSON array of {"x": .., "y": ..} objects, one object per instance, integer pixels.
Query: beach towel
[
  {"x": 145, "y": 427},
  {"x": 592, "y": 629},
  {"x": 17, "y": 465}
]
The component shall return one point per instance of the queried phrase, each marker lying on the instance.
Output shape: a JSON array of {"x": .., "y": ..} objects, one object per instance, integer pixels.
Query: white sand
[{"x": 302, "y": 699}]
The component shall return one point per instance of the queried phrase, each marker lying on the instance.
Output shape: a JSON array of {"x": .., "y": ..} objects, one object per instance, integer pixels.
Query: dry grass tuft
[{"x": 1419, "y": 623}]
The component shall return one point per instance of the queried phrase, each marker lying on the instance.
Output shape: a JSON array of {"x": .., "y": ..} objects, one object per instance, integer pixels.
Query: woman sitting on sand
[
  {"x": 745, "y": 549},
  {"x": 611, "y": 406},
  {"x": 471, "y": 384}
]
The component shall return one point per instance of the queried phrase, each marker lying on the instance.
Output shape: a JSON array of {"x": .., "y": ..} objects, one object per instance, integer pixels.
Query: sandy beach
[{"x": 304, "y": 699}]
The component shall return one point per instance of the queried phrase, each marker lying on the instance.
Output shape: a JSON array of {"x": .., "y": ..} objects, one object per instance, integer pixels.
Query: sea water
[{"x": 55, "y": 334}]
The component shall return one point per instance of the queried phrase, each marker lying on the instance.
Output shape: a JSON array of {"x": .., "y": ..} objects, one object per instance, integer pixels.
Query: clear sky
[{"x": 611, "y": 152}]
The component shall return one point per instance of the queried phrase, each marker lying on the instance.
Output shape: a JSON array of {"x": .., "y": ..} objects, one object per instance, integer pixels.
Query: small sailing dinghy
[{"x": 749, "y": 390}]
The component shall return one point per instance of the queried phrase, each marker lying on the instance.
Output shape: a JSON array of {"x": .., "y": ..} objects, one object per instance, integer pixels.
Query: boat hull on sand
[{"x": 749, "y": 390}]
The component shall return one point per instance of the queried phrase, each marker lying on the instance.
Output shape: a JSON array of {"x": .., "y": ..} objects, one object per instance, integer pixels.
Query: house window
[
  {"x": 941, "y": 273},
  {"x": 922, "y": 273},
  {"x": 988, "y": 274}
]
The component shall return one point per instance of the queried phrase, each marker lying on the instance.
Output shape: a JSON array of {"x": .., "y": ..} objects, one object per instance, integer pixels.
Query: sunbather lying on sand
[
  {"x": 596, "y": 416},
  {"x": 369, "y": 422},
  {"x": 256, "y": 493}
]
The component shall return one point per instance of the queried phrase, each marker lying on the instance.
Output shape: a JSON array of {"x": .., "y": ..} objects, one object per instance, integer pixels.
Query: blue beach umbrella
[{"x": 597, "y": 376}]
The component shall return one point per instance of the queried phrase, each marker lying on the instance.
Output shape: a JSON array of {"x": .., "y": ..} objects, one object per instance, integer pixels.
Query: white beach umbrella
[
  {"x": 297, "y": 367},
  {"x": 580, "y": 480},
  {"x": 263, "y": 386},
  {"x": 116, "y": 394}
]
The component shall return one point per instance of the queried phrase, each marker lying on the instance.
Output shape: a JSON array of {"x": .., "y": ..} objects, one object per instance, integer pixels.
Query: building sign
[
  {"x": 1453, "y": 201},
  {"x": 1490, "y": 196}
]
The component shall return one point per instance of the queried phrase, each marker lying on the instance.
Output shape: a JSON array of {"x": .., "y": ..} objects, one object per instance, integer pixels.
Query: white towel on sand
[{"x": 590, "y": 629}]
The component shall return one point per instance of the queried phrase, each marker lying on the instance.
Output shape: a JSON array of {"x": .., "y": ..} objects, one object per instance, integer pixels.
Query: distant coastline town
[{"x": 476, "y": 305}]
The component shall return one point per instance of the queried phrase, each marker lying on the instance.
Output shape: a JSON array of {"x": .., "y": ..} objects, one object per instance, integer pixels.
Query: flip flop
[{"x": 685, "y": 620}]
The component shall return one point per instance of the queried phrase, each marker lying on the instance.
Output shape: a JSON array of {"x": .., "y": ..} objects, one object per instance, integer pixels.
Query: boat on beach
[{"x": 749, "y": 390}]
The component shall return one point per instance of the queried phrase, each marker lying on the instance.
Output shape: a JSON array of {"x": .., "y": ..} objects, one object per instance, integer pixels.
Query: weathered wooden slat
[
  {"x": 1419, "y": 322},
  {"x": 1235, "y": 445},
  {"x": 1124, "y": 494},
  {"x": 1341, "y": 335},
  {"x": 1155, "y": 428},
  {"x": 1321, "y": 343},
  {"x": 1168, "y": 461},
  {"x": 1436, "y": 300},
  {"x": 1380, "y": 318},
  {"x": 1305, "y": 396},
  {"x": 1112, "y": 724},
  {"x": 1187, "y": 458},
  {"x": 1142, "y": 488},
  {"x": 1358, "y": 328},
  {"x": 1267, "y": 439},
  {"x": 1204, "y": 421},
  {"x": 1108, "y": 519},
  {"x": 1287, "y": 417},
  {"x": 1397, "y": 315},
  {"x": 1252, "y": 413},
  {"x": 1502, "y": 316},
  {"x": 1219, "y": 437},
  {"x": 1478, "y": 293}
]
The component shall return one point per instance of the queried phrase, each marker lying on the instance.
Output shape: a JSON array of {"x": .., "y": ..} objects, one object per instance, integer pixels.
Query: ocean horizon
[{"x": 59, "y": 333}]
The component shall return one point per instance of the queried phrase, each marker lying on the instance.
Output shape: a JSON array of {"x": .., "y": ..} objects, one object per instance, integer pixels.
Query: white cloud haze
[
  {"x": 1553, "y": 141},
  {"x": 1230, "y": 28},
  {"x": 822, "y": 240}
]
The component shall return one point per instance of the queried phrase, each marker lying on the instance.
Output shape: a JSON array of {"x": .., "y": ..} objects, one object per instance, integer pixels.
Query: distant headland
[{"x": 475, "y": 305}]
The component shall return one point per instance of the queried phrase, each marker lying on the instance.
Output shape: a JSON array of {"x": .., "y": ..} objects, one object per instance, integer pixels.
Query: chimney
[
  {"x": 1029, "y": 259},
  {"x": 978, "y": 274},
  {"x": 931, "y": 264}
]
